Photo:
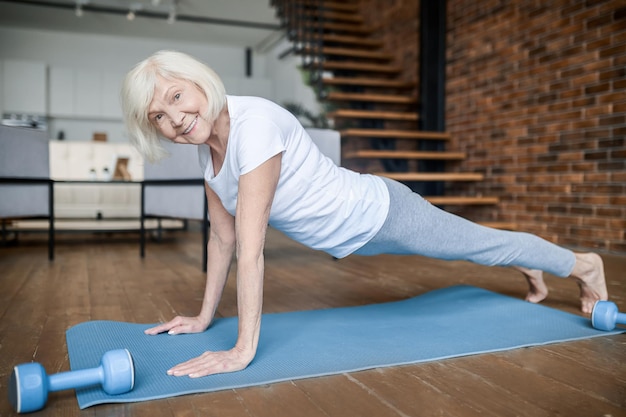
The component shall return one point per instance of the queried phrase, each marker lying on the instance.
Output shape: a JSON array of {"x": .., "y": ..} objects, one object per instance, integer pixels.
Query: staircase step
[
  {"x": 313, "y": 6},
  {"x": 374, "y": 98},
  {"x": 337, "y": 16},
  {"x": 341, "y": 27},
  {"x": 499, "y": 225},
  {"x": 372, "y": 114},
  {"x": 332, "y": 5},
  {"x": 432, "y": 176},
  {"x": 348, "y": 52},
  {"x": 368, "y": 82},
  {"x": 396, "y": 154},
  {"x": 360, "y": 67},
  {"x": 346, "y": 40},
  {"x": 462, "y": 201},
  {"x": 397, "y": 134}
]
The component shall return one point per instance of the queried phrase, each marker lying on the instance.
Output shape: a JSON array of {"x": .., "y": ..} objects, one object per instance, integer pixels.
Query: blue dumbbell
[
  {"x": 29, "y": 384},
  {"x": 605, "y": 316}
]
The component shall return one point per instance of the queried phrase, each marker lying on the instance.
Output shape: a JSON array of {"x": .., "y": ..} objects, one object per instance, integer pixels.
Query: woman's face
[{"x": 177, "y": 110}]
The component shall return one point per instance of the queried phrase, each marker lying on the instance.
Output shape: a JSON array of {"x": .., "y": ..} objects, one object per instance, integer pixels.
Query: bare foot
[
  {"x": 537, "y": 290},
  {"x": 589, "y": 274}
]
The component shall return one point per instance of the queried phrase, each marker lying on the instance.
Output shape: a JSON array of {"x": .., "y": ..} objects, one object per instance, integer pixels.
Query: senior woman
[{"x": 260, "y": 167}]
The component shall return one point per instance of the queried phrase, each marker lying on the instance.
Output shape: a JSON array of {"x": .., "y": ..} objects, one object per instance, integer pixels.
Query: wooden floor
[{"x": 102, "y": 277}]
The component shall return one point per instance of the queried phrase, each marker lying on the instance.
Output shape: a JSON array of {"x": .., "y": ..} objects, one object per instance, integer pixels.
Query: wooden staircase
[{"x": 374, "y": 109}]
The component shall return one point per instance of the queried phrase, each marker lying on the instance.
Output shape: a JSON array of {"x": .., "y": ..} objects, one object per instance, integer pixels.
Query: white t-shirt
[{"x": 316, "y": 203}]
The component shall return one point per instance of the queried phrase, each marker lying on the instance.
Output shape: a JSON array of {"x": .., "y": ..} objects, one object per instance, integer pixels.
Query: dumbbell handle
[{"x": 75, "y": 379}]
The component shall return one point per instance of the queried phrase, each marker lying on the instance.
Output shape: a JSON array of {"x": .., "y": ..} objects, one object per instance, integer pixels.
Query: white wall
[
  {"x": 288, "y": 83},
  {"x": 278, "y": 80},
  {"x": 120, "y": 54},
  {"x": 111, "y": 52}
]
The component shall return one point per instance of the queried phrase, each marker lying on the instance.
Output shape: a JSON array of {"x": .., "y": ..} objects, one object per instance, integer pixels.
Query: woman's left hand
[
  {"x": 254, "y": 201},
  {"x": 210, "y": 363}
]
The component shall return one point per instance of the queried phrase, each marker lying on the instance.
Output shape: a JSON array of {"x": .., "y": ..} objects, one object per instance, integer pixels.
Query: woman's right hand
[{"x": 179, "y": 325}]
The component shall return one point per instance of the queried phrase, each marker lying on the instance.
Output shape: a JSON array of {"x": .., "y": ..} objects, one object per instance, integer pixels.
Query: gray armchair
[
  {"x": 328, "y": 141},
  {"x": 174, "y": 188},
  {"x": 26, "y": 190}
]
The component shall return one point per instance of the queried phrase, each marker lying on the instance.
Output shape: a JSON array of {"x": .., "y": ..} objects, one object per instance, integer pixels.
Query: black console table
[{"x": 143, "y": 184}]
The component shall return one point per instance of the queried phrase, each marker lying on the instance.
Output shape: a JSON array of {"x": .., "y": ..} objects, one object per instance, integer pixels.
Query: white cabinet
[
  {"x": 110, "y": 99},
  {"x": 87, "y": 93},
  {"x": 84, "y": 93},
  {"x": 24, "y": 87},
  {"x": 61, "y": 97},
  {"x": 29, "y": 87}
]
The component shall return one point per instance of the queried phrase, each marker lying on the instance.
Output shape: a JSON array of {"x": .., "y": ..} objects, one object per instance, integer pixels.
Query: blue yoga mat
[{"x": 450, "y": 322}]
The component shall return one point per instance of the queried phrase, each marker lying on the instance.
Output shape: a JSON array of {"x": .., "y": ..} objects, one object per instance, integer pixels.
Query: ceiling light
[
  {"x": 171, "y": 17},
  {"x": 134, "y": 7},
  {"x": 79, "y": 7}
]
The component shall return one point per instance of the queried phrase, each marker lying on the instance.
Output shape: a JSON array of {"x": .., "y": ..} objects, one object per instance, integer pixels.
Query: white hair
[{"x": 138, "y": 91}]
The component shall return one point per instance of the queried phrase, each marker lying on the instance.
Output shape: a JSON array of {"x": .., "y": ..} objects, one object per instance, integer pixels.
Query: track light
[
  {"x": 79, "y": 7},
  {"x": 134, "y": 7},
  {"x": 171, "y": 17}
]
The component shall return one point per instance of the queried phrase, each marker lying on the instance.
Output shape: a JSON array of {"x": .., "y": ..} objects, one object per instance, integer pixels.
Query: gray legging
[{"x": 416, "y": 227}]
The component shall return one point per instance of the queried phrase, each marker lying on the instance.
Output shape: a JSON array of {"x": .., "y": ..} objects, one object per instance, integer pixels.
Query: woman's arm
[
  {"x": 220, "y": 249},
  {"x": 254, "y": 200}
]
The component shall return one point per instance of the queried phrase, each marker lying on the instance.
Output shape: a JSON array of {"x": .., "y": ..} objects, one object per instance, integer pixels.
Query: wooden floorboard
[{"x": 97, "y": 277}]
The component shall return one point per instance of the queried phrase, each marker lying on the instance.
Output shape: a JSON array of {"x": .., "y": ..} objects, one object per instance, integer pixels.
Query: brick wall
[
  {"x": 397, "y": 22},
  {"x": 536, "y": 96}
]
